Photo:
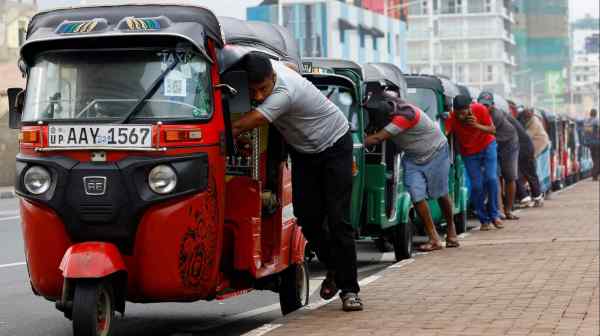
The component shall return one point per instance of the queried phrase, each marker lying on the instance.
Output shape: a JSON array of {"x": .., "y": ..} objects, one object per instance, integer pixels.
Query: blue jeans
[{"x": 482, "y": 169}]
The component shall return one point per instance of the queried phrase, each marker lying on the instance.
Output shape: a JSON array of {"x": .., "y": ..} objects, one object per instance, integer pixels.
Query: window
[
  {"x": 22, "y": 32},
  {"x": 342, "y": 35},
  {"x": 362, "y": 38},
  {"x": 397, "y": 44},
  {"x": 578, "y": 78},
  {"x": 375, "y": 44},
  {"x": 424, "y": 7},
  {"x": 489, "y": 75},
  {"x": 488, "y": 6},
  {"x": 389, "y": 43},
  {"x": 460, "y": 73}
]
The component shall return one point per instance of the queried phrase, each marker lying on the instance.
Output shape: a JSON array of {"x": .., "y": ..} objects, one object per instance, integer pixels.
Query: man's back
[
  {"x": 305, "y": 117},
  {"x": 505, "y": 130}
]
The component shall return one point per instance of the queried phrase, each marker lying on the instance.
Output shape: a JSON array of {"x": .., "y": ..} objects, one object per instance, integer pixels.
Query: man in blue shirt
[{"x": 592, "y": 140}]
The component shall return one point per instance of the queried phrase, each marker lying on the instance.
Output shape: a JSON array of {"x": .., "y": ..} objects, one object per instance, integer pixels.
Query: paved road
[{"x": 23, "y": 314}]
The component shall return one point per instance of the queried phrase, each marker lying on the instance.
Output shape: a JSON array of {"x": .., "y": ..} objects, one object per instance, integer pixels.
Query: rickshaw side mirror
[
  {"x": 238, "y": 94},
  {"x": 16, "y": 97}
]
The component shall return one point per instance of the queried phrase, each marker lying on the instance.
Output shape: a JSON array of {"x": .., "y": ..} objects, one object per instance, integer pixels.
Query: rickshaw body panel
[{"x": 44, "y": 234}]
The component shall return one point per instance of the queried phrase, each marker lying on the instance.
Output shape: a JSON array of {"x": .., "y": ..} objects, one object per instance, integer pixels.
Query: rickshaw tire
[
  {"x": 402, "y": 239},
  {"x": 85, "y": 307},
  {"x": 291, "y": 296},
  {"x": 460, "y": 222}
]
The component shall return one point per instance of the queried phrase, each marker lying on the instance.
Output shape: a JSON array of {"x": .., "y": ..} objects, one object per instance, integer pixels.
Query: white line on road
[
  {"x": 9, "y": 218},
  {"x": 12, "y": 265}
]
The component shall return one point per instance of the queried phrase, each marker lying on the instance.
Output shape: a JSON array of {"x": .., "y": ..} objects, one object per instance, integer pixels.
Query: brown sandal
[
  {"x": 452, "y": 243},
  {"x": 429, "y": 247}
]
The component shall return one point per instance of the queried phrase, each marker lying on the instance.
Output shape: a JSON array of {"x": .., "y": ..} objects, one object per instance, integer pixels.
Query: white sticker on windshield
[
  {"x": 175, "y": 84},
  {"x": 412, "y": 90}
]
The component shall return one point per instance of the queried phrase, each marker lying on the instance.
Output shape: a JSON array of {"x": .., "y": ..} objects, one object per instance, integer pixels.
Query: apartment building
[
  {"x": 472, "y": 41},
  {"x": 352, "y": 30}
]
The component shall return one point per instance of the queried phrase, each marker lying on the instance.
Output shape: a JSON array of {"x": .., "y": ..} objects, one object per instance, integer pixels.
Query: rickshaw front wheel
[
  {"x": 93, "y": 308},
  {"x": 293, "y": 289}
]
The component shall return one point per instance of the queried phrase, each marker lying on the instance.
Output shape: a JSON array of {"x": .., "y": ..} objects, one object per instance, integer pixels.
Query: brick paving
[{"x": 538, "y": 276}]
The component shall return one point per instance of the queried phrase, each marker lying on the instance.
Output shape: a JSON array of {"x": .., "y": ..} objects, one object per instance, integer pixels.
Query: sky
[{"x": 237, "y": 8}]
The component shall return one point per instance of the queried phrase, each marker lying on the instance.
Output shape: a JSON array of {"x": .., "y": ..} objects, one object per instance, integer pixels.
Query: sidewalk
[{"x": 538, "y": 276}]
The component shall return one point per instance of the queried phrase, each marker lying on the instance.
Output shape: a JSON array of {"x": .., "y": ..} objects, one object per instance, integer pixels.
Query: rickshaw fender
[
  {"x": 298, "y": 244},
  {"x": 91, "y": 260},
  {"x": 404, "y": 205}
]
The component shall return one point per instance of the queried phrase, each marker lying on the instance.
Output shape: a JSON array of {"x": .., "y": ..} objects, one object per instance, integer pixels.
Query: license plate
[{"x": 118, "y": 136}]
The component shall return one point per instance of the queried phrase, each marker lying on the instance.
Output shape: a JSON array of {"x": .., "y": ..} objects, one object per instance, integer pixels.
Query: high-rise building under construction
[{"x": 543, "y": 53}]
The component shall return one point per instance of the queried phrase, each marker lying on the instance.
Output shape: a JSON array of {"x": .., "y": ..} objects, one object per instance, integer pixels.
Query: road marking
[
  {"x": 9, "y": 218},
  {"x": 402, "y": 263},
  {"x": 263, "y": 330},
  {"x": 12, "y": 265}
]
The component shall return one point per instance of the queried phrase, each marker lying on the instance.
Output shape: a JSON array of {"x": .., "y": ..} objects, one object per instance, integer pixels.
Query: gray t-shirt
[
  {"x": 418, "y": 137},
  {"x": 505, "y": 131},
  {"x": 308, "y": 121}
]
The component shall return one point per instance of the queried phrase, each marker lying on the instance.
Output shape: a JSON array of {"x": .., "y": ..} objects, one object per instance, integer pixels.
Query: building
[
  {"x": 472, "y": 41},
  {"x": 14, "y": 17},
  {"x": 585, "y": 67},
  {"x": 341, "y": 29},
  {"x": 543, "y": 55}
]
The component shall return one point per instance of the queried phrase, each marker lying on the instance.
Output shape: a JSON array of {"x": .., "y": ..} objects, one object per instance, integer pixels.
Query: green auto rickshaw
[
  {"x": 380, "y": 205},
  {"x": 434, "y": 95}
]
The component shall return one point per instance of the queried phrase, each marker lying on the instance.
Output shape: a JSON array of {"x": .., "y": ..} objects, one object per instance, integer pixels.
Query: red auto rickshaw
[{"x": 131, "y": 187}]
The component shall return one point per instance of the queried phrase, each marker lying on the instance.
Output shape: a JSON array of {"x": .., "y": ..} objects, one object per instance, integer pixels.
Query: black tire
[
  {"x": 460, "y": 222},
  {"x": 93, "y": 308},
  {"x": 293, "y": 290},
  {"x": 402, "y": 238}
]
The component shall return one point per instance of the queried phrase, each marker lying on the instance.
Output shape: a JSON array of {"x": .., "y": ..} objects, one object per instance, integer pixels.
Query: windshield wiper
[{"x": 151, "y": 91}]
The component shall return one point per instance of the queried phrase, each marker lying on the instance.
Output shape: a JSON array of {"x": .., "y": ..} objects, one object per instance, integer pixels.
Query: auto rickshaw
[
  {"x": 130, "y": 185},
  {"x": 380, "y": 205},
  {"x": 552, "y": 128},
  {"x": 435, "y": 95},
  {"x": 585, "y": 156},
  {"x": 572, "y": 146}
]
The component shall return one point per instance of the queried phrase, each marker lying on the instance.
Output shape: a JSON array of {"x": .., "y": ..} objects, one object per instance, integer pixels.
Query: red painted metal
[{"x": 91, "y": 260}]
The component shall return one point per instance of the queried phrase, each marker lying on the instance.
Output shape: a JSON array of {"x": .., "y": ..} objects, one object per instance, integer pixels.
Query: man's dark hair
[
  {"x": 461, "y": 102},
  {"x": 593, "y": 113},
  {"x": 258, "y": 66}
]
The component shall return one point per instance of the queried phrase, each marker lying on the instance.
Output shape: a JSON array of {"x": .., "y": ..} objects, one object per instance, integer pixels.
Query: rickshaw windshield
[
  {"x": 342, "y": 97},
  {"x": 425, "y": 99},
  {"x": 105, "y": 85}
]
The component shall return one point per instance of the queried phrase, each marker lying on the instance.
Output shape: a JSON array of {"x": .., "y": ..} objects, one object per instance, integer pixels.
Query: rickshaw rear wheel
[
  {"x": 93, "y": 308},
  {"x": 402, "y": 238},
  {"x": 460, "y": 222},
  {"x": 293, "y": 289}
]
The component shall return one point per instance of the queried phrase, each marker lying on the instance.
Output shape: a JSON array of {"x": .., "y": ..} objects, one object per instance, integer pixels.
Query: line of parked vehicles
[{"x": 132, "y": 187}]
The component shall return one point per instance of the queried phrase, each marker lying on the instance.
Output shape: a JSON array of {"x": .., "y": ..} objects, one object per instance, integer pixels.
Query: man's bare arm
[
  {"x": 250, "y": 120},
  {"x": 378, "y": 137}
]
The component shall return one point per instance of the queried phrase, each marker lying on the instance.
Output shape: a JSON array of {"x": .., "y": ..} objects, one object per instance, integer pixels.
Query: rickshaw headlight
[
  {"x": 37, "y": 180},
  {"x": 162, "y": 179}
]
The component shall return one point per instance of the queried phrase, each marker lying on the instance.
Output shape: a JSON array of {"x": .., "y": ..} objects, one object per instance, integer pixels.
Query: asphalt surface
[{"x": 24, "y": 314}]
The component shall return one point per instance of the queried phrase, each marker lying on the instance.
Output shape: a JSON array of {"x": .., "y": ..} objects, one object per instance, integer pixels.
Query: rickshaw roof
[
  {"x": 442, "y": 85},
  {"x": 334, "y": 78},
  {"x": 190, "y": 22},
  {"x": 375, "y": 72},
  {"x": 242, "y": 37},
  {"x": 333, "y": 63}
]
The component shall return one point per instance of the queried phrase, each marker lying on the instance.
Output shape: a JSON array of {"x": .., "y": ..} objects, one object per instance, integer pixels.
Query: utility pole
[
  {"x": 431, "y": 36},
  {"x": 280, "y": 12}
]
